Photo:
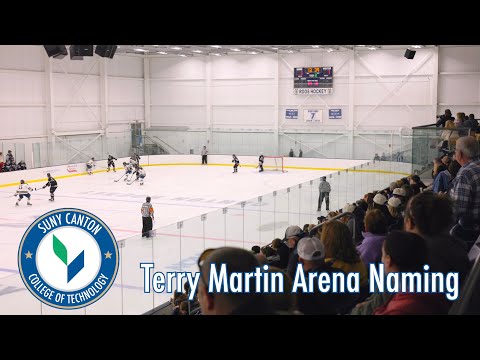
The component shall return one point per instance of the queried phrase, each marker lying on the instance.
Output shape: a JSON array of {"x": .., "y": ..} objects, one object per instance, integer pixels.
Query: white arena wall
[{"x": 229, "y": 103}]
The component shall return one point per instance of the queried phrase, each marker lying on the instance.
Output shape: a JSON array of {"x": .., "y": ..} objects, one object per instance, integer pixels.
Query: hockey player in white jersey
[
  {"x": 90, "y": 165},
  {"x": 141, "y": 174},
  {"x": 128, "y": 170},
  {"x": 23, "y": 190}
]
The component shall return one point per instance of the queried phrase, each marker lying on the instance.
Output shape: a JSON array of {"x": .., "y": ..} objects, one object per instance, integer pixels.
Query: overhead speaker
[
  {"x": 77, "y": 52},
  {"x": 106, "y": 50},
  {"x": 56, "y": 51},
  {"x": 410, "y": 54}
]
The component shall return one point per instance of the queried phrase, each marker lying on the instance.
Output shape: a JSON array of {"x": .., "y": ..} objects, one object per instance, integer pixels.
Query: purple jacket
[{"x": 370, "y": 248}]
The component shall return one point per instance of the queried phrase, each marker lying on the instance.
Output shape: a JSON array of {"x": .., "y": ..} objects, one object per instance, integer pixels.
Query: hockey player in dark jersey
[
  {"x": 260, "y": 162},
  {"x": 52, "y": 183},
  {"x": 236, "y": 162},
  {"x": 111, "y": 163}
]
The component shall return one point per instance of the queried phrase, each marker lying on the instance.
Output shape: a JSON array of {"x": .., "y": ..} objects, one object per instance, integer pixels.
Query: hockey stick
[
  {"x": 117, "y": 180},
  {"x": 131, "y": 181}
]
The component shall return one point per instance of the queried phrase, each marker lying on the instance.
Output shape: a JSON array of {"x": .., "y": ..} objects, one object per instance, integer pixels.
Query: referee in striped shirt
[{"x": 147, "y": 217}]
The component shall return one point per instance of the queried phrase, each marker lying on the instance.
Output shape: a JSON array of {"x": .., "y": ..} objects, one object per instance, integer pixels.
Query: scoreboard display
[{"x": 313, "y": 80}]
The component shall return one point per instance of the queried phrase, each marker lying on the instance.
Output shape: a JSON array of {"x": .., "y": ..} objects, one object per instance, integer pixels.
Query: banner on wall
[
  {"x": 291, "y": 114},
  {"x": 334, "y": 113},
  {"x": 312, "y": 116}
]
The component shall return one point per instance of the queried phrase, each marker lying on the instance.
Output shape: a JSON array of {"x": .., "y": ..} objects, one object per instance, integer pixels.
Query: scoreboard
[{"x": 313, "y": 80}]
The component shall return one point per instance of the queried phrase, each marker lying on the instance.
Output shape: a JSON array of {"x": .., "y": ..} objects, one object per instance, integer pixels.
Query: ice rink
[{"x": 178, "y": 193}]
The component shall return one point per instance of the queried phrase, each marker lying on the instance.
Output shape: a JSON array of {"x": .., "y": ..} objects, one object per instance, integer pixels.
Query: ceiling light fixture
[
  {"x": 417, "y": 46},
  {"x": 315, "y": 46},
  {"x": 182, "y": 55},
  {"x": 141, "y": 50},
  {"x": 216, "y": 54},
  {"x": 253, "y": 52},
  {"x": 161, "y": 52},
  {"x": 176, "y": 48},
  {"x": 329, "y": 50},
  {"x": 197, "y": 51},
  {"x": 216, "y": 46},
  {"x": 235, "y": 49},
  {"x": 372, "y": 48}
]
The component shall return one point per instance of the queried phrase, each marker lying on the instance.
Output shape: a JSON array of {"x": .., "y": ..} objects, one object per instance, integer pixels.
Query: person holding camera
[{"x": 442, "y": 119}]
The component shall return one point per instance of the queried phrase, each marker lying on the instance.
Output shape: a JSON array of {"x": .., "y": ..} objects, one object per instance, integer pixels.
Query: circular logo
[{"x": 68, "y": 258}]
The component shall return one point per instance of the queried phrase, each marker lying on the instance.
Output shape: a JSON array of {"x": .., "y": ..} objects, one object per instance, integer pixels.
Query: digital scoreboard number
[{"x": 313, "y": 80}]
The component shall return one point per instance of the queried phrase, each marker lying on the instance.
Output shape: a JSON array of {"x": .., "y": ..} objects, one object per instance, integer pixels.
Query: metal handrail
[{"x": 315, "y": 229}]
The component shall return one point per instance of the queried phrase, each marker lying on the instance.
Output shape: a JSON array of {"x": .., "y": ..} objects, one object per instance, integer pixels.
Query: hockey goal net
[{"x": 273, "y": 163}]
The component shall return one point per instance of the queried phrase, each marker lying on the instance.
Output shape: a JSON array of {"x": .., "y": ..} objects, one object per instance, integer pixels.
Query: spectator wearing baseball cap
[
  {"x": 293, "y": 234},
  {"x": 380, "y": 203},
  {"x": 311, "y": 254},
  {"x": 394, "y": 206}
]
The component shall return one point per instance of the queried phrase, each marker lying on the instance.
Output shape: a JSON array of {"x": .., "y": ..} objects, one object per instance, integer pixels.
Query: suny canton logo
[{"x": 68, "y": 258}]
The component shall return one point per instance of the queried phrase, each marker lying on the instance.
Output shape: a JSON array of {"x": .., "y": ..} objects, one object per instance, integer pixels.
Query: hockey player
[
  {"x": 23, "y": 190},
  {"x": 90, "y": 166},
  {"x": 260, "y": 162},
  {"x": 141, "y": 174},
  {"x": 128, "y": 170},
  {"x": 134, "y": 161},
  {"x": 236, "y": 163},
  {"x": 52, "y": 183},
  {"x": 111, "y": 163}
]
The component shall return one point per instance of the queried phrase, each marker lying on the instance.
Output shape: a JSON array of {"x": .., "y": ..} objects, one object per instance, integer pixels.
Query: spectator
[
  {"x": 2, "y": 161},
  {"x": 383, "y": 157},
  {"x": 407, "y": 252},
  {"x": 204, "y": 155},
  {"x": 376, "y": 157},
  {"x": 438, "y": 166},
  {"x": 285, "y": 302},
  {"x": 394, "y": 207},
  {"x": 353, "y": 224},
  {"x": 147, "y": 217},
  {"x": 300, "y": 153},
  {"x": 458, "y": 122},
  {"x": 431, "y": 216},
  {"x": 446, "y": 160},
  {"x": 10, "y": 159},
  {"x": 442, "y": 119},
  {"x": 283, "y": 253},
  {"x": 293, "y": 234},
  {"x": 393, "y": 186},
  {"x": 471, "y": 123},
  {"x": 256, "y": 249},
  {"x": 408, "y": 192},
  {"x": 324, "y": 193},
  {"x": 400, "y": 194},
  {"x": 340, "y": 251},
  {"x": 311, "y": 253},
  {"x": 370, "y": 248},
  {"x": 417, "y": 184},
  {"x": 291, "y": 153},
  {"x": 443, "y": 181},
  {"x": 466, "y": 185},
  {"x": 236, "y": 260},
  {"x": 380, "y": 202}
]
